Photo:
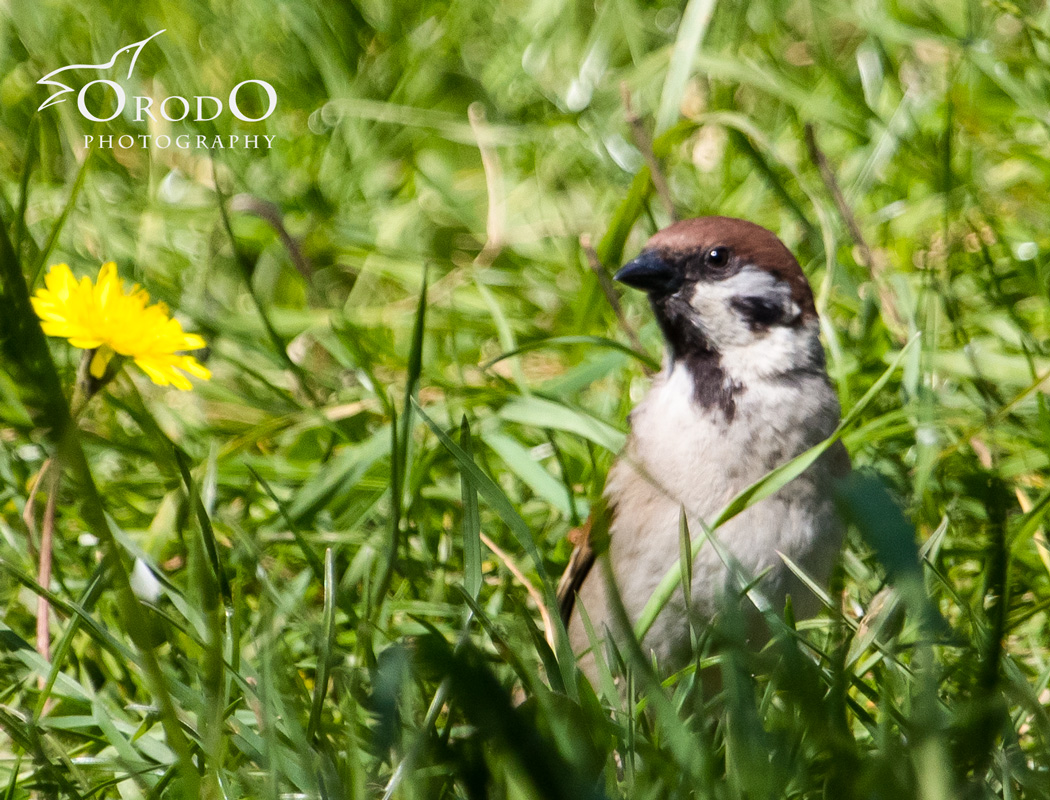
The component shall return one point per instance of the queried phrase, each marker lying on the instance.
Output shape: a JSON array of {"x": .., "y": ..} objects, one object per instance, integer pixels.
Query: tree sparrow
[{"x": 743, "y": 390}]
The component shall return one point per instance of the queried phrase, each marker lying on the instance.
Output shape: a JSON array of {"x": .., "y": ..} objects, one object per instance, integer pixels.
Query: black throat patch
[{"x": 711, "y": 385}]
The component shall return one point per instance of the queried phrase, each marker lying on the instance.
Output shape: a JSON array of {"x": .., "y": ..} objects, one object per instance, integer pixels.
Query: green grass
[{"x": 330, "y": 622}]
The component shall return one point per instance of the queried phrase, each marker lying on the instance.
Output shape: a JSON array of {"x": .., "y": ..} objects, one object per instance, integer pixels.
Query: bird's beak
[{"x": 650, "y": 272}]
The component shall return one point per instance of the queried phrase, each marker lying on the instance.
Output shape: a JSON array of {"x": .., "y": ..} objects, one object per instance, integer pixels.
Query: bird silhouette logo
[{"x": 49, "y": 79}]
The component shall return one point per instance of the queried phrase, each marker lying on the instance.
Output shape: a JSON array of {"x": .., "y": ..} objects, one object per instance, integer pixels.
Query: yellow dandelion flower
[{"x": 114, "y": 322}]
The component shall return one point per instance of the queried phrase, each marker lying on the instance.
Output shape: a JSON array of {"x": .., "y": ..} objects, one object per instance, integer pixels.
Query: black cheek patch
[{"x": 759, "y": 312}]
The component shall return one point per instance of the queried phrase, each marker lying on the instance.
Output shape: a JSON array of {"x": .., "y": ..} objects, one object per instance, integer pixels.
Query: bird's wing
[
  {"x": 579, "y": 566},
  {"x": 588, "y": 540}
]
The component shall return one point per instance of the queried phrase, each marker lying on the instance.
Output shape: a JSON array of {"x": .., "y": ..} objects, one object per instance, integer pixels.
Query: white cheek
[
  {"x": 783, "y": 348},
  {"x": 721, "y": 323},
  {"x": 748, "y": 354}
]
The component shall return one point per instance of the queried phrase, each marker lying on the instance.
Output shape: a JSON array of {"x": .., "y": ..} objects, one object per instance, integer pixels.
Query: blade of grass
[
  {"x": 528, "y": 470},
  {"x": 695, "y": 20},
  {"x": 23, "y": 184},
  {"x": 610, "y": 248},
  {"x": 499, "y": 502},
  {"x": 683, "y": 744},
  {"x": 685, "y": 558},
  {"x": 488, "y": 489},
  {"x": 246, "y": 267},
  {"x": 605, "y": 678},
  {"x": 211, "y": 548},
  {"x": 471, "y": 519},
  {"x": 56, "y": 229},
  {"x": 401, "y": 448},
  {"x": 65, "y": 641},
  {"x": 27, "y": 740},
  {"x": 308, "y": 552},
  {"x": 211, "y": 587},
  {"x": 545, "y": 414},
  {"x": 591, "y": 341},
  {"x": 324, "y": 657}
]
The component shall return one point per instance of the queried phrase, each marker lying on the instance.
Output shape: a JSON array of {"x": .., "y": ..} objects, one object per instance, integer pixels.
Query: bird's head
[{"x": 729, "y": 291}]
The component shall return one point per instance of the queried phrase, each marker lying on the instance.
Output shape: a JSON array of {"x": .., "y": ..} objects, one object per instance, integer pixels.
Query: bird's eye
[{"x": 717, "y": 257}]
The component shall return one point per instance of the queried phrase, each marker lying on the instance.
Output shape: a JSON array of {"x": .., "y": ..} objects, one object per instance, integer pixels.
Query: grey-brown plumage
[{"x": 744, "y": 389}]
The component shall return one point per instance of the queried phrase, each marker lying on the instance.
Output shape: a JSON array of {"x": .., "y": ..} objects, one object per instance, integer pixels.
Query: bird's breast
[
  {"x": 701, "y": 457},
  {"x": 682, "y": 455}
]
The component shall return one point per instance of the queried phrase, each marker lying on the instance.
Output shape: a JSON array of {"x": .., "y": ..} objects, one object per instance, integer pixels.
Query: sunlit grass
[{"x": 329, "y": 619}]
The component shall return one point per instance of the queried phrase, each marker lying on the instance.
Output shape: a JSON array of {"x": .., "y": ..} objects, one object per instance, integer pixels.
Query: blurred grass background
[{"x": 328, "y": 622}]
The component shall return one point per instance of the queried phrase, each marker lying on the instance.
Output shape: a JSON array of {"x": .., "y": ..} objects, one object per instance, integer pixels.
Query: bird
[
  {"x": 743, "y": 389},
  {"x": 47, "y": 80}
]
